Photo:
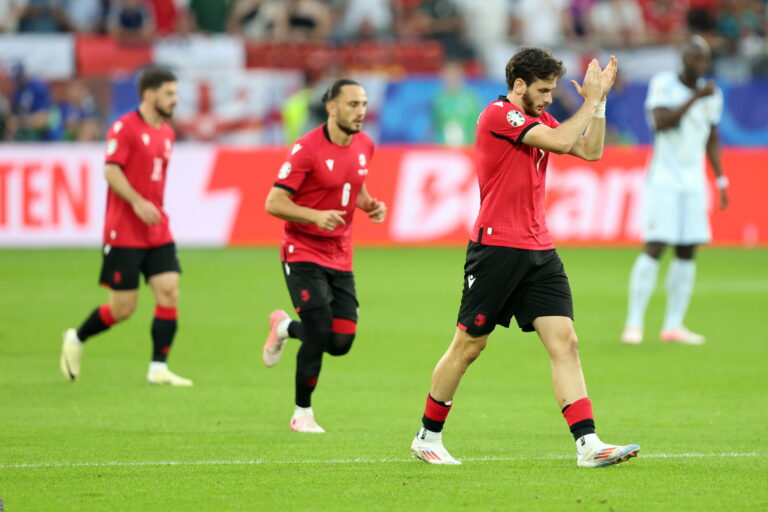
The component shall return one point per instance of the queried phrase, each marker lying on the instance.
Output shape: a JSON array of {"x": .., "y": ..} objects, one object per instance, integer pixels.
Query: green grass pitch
[{"x": 110, "y": 442}]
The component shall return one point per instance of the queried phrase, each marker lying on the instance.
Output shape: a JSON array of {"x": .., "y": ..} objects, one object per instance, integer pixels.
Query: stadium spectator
[
  {"x": 740, "y": 23},
  {"x": 366, "y": 19},
  {"x": 210, "y": 16},
  {"x": 44, "y": 16},
  {"x": 578, "y": 24},
  {"x": 684, "y": 110},
  {"x": 131, "y": 22},
  {"x": 75, "y": 117},
  {"x": 10, "y": 13},
  {"x": 254, "y": 19},
  {"x": 455, "y": 108},
  {"x": 85, "y": 16},
  {"x": 30, "y": 104},
  {"x": 170, "y": 16},
  {"x": 303, "y": 21},
  {"x": 531, "y": 28},
  {"x": 438, "y": 20},
  {"x": 618, "y": 23},
  {"x": 665, "y": 21}
]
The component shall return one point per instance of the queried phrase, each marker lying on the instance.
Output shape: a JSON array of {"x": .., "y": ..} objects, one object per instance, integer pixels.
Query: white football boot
[
  {"x": 303, "y": 420},
  {"x": 632, "y": 336},
  {"x": 428, "y": 446},
  {"x": 274, "y": 344},
  {"x": 160, "y": 375},
  {"x": 71, "y": 351},
  {"x": 681, "y": 335},
  {"x": 593, "y": 453}
]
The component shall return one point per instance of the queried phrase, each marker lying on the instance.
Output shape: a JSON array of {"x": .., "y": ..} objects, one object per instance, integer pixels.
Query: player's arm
[
  {"x": 561, "y": 139},
  {"x": 376, "y": 210},
  {"x": 281, "y": 205},
  {"x": 665, "y": 118},
  {"x": 144, "y": 210},
  {"x": 713, "y": 154}
]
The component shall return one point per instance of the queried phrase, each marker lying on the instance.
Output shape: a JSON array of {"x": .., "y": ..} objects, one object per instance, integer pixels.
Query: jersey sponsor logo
[
  {"x": 117, "y": 126},
  {"x": 284, "y": 171},
  {"x": 515, "y": 118},
  {"x": 361, "y": 159},
  {"x": 111, "y": 146},
  {"x": 296, "y": 148},
  {"x": 329, "y": 163},
  {"x": 470, "y": 281},
  {"x": 145, "y": 139}
]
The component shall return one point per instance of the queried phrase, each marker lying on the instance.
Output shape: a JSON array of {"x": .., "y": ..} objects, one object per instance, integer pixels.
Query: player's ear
[{"x": 519, "y": 86}]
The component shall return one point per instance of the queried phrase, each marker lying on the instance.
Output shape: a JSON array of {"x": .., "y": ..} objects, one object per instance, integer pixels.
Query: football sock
[
  {"x": 282, "y": 328},
  {"x": 342, "y": 336},
  {"x": 642, "y": 281},
  {"x": 98, "y": 321},
  {"x": 680, "y": 278},
  {"x": 435, "y": 413},
  {"x": 294, "y": 329},
  {"x": 163, "y": 330},
  {"x": 309, "y": 359},
  {"x": 579, "y": 417}
]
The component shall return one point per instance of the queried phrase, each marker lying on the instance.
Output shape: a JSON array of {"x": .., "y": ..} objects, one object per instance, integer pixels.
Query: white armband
[
  {"x": 722, "y": 181},
  {"x": 600, "y": 110}
]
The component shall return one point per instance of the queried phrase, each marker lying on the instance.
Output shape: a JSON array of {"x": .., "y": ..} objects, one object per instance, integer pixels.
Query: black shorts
[
  {"x": 122, "y": 265},
  {"x": 501, "y": 282},
  {"x": 312, "y": 286}
]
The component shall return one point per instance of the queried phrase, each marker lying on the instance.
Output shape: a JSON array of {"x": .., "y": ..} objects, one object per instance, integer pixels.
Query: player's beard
[
  {"x": 528, "y": 106},
  {"x": 347, "y": 129},
  {"x": 165, "y": 114}
]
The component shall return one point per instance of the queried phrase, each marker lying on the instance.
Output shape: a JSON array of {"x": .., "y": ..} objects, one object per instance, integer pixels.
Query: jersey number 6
[
  {"x": 157, "y": 170},
  {"x": 345, "y": 194}
]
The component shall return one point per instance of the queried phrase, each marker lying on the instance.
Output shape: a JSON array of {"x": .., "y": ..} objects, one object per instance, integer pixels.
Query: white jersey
[{"x": 678, "y": 160}]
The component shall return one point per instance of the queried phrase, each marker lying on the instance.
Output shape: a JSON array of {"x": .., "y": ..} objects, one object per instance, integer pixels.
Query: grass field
[{"x": 110, "y": 442}]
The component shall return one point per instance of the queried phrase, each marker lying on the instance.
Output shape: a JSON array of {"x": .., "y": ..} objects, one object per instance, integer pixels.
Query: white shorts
[{"x": 675, "y": 217}]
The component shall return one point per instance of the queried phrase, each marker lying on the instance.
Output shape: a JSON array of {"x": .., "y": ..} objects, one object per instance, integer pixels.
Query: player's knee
[
  {"x": 470, "y": 347},
  {"x": 340, "y": 344},
  {"x": 122, "y": 310},
  {"x": 567, "y": 345}
]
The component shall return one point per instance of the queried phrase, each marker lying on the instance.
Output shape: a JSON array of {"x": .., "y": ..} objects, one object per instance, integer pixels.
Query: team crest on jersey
[
  {"x": 361, "y": 159},
  {"x": 145, "y": 139},
  {"x": 117, "y": 126},
  {"x": 111, "y": 146},
  {"x": 515, "y": 118},
  {"x": 284, "y": 171}
]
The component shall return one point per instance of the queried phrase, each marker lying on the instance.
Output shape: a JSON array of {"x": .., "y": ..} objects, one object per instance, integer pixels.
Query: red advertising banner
[{"x": 53, "y": 195}]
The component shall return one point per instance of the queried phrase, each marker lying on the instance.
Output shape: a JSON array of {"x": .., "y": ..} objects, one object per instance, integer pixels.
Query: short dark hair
[
  {"x": 333, "y": 91},
  {"x": 154, "y": 78},
  {"x": 533, "y": 64}
]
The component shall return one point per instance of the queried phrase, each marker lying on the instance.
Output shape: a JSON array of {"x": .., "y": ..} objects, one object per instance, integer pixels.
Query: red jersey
[
  {"x": 512, "y": 177},
  {"x": 324, "y": 176},
  {"x": 142, "y": 151}
]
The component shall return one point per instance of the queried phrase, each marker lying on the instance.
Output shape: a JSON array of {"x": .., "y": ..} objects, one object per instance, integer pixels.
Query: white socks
[
  {"x": 156, "y": 366},
  {"x": 680, "y": 278},
  {"x": 282, "y": 327},
  {"x": 587, "y": 442},
  {"x": 302, "y": 411},
  {"x": 642, "y": 281}
]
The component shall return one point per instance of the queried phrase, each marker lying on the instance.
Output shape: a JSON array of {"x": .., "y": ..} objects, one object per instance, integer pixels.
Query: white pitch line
[{"x": 264, "y": 462}]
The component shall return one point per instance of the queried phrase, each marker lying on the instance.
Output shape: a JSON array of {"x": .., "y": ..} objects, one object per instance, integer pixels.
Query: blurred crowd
[{"x": 466, "y": 29}]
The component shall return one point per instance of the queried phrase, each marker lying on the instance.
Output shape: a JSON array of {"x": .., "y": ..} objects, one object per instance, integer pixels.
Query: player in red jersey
[
  {"x": 512, "y": 268},
  {"x": 137, "y": 238},
  {"x": 316, "y": 193}
]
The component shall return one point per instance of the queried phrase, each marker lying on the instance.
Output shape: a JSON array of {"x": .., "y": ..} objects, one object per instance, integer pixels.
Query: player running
[
  {"x": 512, "y": 268},
  {"x": 317, "y": 190},
  {"x": 137, "y": 237}
]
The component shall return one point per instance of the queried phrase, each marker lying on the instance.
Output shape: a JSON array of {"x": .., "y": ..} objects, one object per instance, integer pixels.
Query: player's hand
[
  {"x": 592, "y": 89},
  {"x": 608, "y": 75},
  {"x": 377, "y": 211},
  {"x": 330, "y": 219},
  {"x": 147, "y": 212},
  {"x": 723, "y": 198},
  {"x": 707, "y": 90}
]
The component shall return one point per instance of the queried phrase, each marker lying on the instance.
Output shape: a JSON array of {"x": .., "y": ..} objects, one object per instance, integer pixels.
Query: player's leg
[
  {"x": 463, "y": 350},
  {"x": 120, "y": 272},
  {"x": 281, "y": 326},
  {"x": 559, "y": 339},
  {"x": 162, "y": 270},
  {"x": 345, "y": 308},
  {"x": 680, "y": 280},
  {"x": 642, "y": 283}
]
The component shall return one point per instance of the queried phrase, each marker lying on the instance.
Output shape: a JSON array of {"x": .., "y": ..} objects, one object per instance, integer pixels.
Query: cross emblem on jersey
[{"x": 329, "y": 163}]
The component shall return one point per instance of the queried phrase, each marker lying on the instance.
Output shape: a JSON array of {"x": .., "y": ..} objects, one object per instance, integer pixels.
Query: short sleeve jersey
[
  {"x": 142, "y": 151},
  {"x": 678, "y": 160},
  {"x": 324, "y": 176},
  {"x": 512, "y": 178}
]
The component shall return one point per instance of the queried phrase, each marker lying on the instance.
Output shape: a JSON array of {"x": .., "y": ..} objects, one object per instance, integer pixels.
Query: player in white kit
[{"x": 684, "y": 110}]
